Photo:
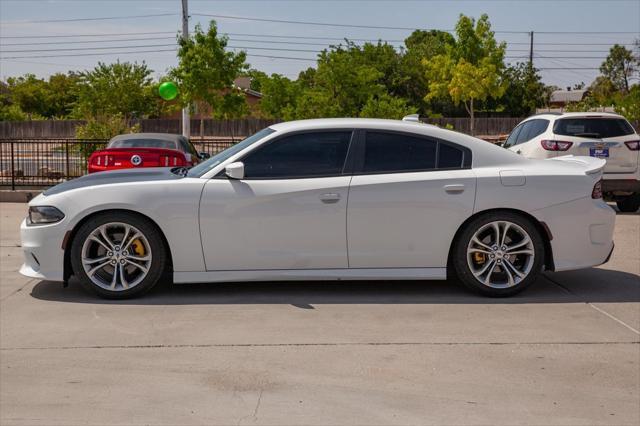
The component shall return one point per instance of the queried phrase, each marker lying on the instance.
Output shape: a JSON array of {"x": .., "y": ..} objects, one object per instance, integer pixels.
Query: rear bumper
[
  {"x": 582, "y": 232},
  {"x": 627, "y": 185}
]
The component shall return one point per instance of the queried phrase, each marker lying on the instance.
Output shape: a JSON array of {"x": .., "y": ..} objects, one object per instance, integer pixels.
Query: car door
[
  {"x": 289, "y": 212},
  {"x": 407, "y": 198}
]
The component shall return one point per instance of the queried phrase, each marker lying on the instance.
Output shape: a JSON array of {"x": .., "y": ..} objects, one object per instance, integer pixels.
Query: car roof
[
  {"x": 558, "y": 116},
  {"x": 323, "y": 123},
  {"x": 160, "y": 136}
]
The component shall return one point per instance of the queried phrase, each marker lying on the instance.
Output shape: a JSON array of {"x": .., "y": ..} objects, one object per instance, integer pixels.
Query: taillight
[
  {"x": 556, "y": 145},
  {"x": 633, "y": 145},
  {"x": 172, "y": 161},
  {"x": 597, "y": 190}
]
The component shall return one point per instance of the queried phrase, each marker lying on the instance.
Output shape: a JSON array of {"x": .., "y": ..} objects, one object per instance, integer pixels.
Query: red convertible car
[{"x": 145, "y": 150}]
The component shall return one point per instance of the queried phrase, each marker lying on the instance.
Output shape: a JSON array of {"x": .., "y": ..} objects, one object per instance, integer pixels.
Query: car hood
[{"x": 116, "y": 176}]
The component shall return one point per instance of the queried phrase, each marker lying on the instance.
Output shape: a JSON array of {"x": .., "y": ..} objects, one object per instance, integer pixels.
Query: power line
[
  {"x": 90, "y": 35},
  {"x": 104, "y": 18},
  {"x": 40, "y": 43},
  {"x": 283, "y": 21}
]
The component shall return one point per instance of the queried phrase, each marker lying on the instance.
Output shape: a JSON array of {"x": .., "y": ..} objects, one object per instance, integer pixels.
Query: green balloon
[{"x": 168, "y": 90}]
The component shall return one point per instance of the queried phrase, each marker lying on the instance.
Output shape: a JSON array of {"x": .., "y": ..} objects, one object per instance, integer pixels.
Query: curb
[{"x": 18, "y": 196}]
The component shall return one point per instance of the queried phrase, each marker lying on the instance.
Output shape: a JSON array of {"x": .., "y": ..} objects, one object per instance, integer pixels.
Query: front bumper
[{"x": 42, "y": 250}]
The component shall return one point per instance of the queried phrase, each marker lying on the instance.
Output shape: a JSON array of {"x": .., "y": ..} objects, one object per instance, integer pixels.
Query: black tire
[
  {"x": 462, "y": 269},
  {"x": 631, "y": 204},
  {"x": 157, "y": 265}
]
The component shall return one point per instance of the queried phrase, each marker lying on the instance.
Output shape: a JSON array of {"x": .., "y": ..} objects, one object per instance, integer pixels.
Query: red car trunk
[{"x": 126, "y": 158}]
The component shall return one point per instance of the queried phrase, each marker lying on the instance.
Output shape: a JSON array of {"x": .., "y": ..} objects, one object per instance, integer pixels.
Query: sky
[{"x": 571, "y": 37}]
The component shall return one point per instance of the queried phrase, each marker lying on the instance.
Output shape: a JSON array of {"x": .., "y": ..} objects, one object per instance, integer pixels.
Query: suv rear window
[{"x": 592, "y": 127}]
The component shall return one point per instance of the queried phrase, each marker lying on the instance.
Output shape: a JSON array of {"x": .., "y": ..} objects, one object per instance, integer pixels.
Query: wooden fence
[{"x": 209, "y": 128}]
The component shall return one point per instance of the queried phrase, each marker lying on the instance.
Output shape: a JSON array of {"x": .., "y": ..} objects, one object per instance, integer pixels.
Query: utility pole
[
  {"x": 186, "y": 117},
  {"x": 531, "y": 49}
]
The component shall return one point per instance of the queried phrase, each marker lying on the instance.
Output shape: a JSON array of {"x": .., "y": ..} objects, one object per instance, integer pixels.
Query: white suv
[{"x": 603, "y": 135}]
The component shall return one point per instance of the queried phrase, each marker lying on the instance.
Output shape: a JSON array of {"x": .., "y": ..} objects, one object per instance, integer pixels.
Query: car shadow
[{"x": 590, "y": 285}]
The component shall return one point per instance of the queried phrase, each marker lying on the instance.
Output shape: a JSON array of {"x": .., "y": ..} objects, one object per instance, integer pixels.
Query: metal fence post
[
  {"x": 66, "y": 155},
  {"x": 13, "y": 169}
]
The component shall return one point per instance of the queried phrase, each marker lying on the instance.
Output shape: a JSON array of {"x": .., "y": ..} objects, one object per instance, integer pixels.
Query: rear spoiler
[{"x": 592, "y": 165}]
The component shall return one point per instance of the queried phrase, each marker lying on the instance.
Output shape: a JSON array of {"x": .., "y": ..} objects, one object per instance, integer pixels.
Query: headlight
[{"x": 40, "y": 215}]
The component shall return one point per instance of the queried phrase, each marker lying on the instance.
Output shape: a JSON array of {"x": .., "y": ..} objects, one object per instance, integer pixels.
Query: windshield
[
  {"x": 592, "y": 127},
  {"x": 142, "y": 143},
  {"x": 205, "y": 166}
]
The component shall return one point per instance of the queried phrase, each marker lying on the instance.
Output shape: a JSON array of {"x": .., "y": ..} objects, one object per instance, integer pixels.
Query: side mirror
[
  {"x": 235, "y": 170},
  {"x": 203, "y": 155}
]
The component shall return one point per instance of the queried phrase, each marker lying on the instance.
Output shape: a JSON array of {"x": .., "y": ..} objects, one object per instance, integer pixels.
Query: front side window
[
  {"x": 592, "y": 127},
  {"x": 393, "y": 152},
  {"x": 300, "y": 155},
  {"x": 212, "y": 162}
]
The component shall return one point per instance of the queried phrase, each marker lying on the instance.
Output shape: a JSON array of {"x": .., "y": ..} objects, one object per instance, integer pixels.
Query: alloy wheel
[
  {"x": 500, "y": 254},
  {"x": 116, "y": 256}
]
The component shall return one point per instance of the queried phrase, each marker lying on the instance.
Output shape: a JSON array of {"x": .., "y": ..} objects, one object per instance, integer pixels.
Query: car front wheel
[
  {"x": 118, "y": 255},
  {"x": 499, "y": 254}
]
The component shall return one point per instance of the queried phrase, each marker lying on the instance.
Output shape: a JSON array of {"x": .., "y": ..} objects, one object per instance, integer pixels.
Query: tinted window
[
  {"x": 449, "y": 157},
  {"x": 531, "y": 129},
  {"x": 513, "y": 137},
  {"x": 390, "y": 152},
  {"x": 142, "y": 143},
  {"x": 592, "y": 127},
  {"x": 302, "y": 155},
  {"x": 212, "y": 162}
]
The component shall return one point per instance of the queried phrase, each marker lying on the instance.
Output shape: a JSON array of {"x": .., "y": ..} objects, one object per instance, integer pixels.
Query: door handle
[
  {"x": 518, "y": 152},
  {"x": 454, "y": 188},
  {"x": 330, "y": 198}
]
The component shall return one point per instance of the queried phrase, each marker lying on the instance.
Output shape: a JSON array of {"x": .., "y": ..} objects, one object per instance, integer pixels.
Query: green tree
[
  {"x": 386, "y": 106},
  {"x": 279, "y": 97},
  {"x": 30, "y": 94},
  {"x": 471, "y": 70},
  {"x": 619, "y": 66},
  {"x": 347, "y": 78},
  {"x": 421, "y": 46},
  {"x": 525, "y": 91},
  {"x": 206, "y": 72},
  {"x": 629, "y": 105},
  {"x": 119, "y": 89}
]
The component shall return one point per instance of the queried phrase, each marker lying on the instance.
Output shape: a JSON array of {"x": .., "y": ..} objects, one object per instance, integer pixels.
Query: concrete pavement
[{"x": 567, "y": 351}]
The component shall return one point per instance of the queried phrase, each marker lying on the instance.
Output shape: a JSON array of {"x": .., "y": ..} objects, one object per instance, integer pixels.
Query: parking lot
[{"x": 566, "y": 351}]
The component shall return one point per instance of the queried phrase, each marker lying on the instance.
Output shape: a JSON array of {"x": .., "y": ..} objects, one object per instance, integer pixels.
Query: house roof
[{"x": 568, "y": 95}]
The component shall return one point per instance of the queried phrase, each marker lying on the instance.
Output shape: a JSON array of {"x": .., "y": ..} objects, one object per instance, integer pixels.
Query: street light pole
[{"x": 186, "y": 118}]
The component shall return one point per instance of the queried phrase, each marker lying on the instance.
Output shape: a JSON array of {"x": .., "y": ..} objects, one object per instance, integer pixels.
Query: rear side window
[
  {"x": 531, "y": 129},
  {"x": 298, "y": 156},
  {"x": 392, "y": 152},
  {"x": 513, "y": 137},
  {"x": 398, "y": 152},
  {"x": 449, "y": 157},
  {"x": 592, "y": 127}
]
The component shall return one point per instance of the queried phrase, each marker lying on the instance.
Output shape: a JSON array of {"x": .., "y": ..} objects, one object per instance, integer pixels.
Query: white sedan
[{"x": 328, "y": 199}]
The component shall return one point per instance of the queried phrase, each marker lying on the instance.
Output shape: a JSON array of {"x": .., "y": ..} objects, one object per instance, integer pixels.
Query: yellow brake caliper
[{"x": 137, "y": 247}]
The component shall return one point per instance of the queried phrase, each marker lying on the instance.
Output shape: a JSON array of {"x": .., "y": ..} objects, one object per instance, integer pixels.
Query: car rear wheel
[
  {"x": 118, "y": 255},
  {"x": 630, "y": 204},
  {"x": 499, "y": 254}
]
